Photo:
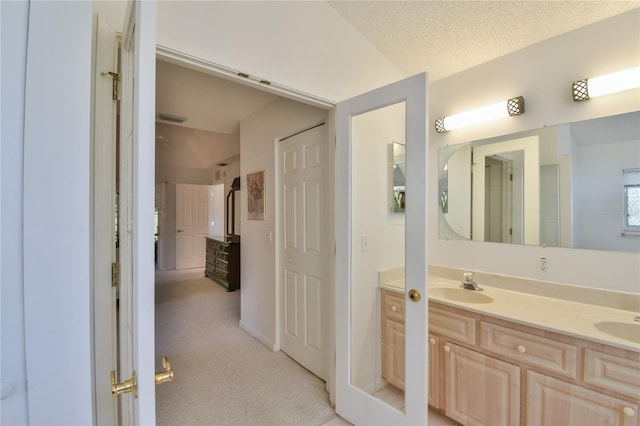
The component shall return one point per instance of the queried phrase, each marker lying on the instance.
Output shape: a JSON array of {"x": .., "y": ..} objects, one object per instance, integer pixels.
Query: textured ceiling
[
  {"x": 441, "y": 37},
  {"x": 446, "y": 37}
]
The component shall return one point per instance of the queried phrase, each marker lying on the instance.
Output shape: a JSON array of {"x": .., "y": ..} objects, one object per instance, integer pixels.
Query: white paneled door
[
  {"x": 303, "y": 217},
  {"x": 192, "y": 215}
]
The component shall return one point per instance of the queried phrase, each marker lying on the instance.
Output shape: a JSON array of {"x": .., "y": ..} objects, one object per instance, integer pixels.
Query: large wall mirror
[{"x": 573, "y": 185}]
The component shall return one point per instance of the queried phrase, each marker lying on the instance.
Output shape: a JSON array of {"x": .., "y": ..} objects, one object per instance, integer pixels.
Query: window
[{"x": 631, "y": 181}]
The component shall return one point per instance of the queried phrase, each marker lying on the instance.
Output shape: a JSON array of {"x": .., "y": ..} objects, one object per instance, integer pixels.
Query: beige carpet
[{"x": 223, "y": 376}]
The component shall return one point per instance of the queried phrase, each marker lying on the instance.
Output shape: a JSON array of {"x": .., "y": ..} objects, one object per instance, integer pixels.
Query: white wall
[
  {"x": 258, "y": 133},
  {"x": 167, "y": 240},
  {"x": 183, "y": 175},
  {"x": 57, "y": 185},
  {"x": 542, "y": 74},
  {"x": 304, "y": 45},
  {"x": 14, "y": 24}
]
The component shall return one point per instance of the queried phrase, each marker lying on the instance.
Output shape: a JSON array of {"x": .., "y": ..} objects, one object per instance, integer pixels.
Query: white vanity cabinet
[{"x": 485, "y": 370}]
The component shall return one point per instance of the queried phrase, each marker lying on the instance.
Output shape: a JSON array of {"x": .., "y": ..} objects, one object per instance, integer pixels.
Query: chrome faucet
[{"x": 468, "y": 283}]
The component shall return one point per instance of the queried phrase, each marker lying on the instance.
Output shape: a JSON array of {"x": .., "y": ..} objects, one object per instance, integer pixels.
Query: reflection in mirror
[
  {"x": 377, "y": 244},
  {"x": 564, "y": 188},
  {"x": 399, "y": 173}
]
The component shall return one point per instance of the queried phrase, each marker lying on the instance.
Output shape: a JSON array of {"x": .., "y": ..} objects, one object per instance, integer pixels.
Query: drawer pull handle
[
  {"x": 628, "y": 411},
  {"x": 432, "y": 340},
  {"x": 447, "y": 348},
  {"x": 522, "y": 349},
  {"x": 394, "y": 308}
]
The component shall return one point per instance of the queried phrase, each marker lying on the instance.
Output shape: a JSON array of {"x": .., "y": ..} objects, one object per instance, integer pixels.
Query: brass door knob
[
  {"x": 167, "y": 374},
  {"x": 415, "y": 295}
]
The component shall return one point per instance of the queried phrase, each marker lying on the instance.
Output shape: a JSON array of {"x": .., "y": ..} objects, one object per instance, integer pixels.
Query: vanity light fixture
[
  {"x": 510, "y": 107},
  {"x": 606, "y": 84}
]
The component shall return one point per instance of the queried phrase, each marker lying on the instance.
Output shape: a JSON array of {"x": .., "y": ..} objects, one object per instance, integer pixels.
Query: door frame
[
  {"x": 102, "y": 222},
  {"x": 227, "y": 73}
]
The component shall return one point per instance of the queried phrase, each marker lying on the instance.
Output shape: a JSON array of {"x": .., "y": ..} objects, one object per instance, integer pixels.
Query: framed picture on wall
[{"x": 255, "y": 195}]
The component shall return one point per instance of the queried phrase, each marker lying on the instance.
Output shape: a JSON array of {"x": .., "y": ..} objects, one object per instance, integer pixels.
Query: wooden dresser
[{"x": 223, "y": 263}]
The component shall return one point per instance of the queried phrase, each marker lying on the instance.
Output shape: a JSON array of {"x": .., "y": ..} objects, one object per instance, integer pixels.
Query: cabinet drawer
[
  {"x": 222, "y": 274},
  {"x": 393, "y": 306},
  {"x": 537, "y": 351},
  {"x": 612, "y": 372},
  {"x": 452, "y": 325}
]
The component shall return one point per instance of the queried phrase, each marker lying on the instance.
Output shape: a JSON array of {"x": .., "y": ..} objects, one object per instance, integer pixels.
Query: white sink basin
[
  {"x": 623, "y": 330},
  {"x": 460, "y": 295}
]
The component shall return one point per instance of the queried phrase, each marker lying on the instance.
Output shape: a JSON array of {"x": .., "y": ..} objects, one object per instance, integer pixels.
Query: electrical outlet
[
  {"x": 364, "y": 242},
  {"x": 543, "y": 263}
]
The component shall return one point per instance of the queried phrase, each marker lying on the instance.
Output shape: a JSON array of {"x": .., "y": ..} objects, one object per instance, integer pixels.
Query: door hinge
[
  {"x": 115, "y": 275},
  {"x": 511, "y": 177},
  {"x": 115, "y": 84},
  {"x": 510, "y": 231}
]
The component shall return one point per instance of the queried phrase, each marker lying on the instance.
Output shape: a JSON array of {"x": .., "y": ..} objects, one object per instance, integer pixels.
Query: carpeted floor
[{"x": 223, "y": 376}]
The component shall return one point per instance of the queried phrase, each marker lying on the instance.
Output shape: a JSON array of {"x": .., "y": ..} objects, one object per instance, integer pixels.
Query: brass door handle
[
  {"x": 124, "y": 387},
  {"x": 167, "y": 374},
  {"x": 415, "y": 295}
]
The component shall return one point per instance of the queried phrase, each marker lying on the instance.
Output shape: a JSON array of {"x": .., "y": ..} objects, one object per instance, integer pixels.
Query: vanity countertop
[{"x": 580, "y": 320}]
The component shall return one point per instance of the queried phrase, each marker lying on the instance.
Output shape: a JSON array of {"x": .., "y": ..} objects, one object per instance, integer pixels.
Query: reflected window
[{"x": 631, "y": 179}]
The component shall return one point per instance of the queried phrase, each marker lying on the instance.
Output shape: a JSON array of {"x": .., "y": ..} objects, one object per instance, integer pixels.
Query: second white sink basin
[
  {"x": 460, "y": 295},
  {"x": 624, "y": 330}
]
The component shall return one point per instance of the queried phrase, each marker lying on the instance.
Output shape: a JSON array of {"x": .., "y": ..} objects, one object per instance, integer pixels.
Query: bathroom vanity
[{"x": 510, "y": 358}]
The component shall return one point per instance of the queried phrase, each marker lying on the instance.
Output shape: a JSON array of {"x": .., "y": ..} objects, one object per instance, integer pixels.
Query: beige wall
[{"x": 258, "y": 134}]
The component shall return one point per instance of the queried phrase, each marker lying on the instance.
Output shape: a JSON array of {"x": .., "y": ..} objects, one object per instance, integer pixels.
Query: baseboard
[{"x": 261, "y": 338}]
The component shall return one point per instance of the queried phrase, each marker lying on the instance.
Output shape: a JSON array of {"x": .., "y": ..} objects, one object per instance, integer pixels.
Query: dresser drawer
[
  {"x": 452, "y": 325},
  {"x": 612, "y": 372},
  {"x": 393, "y": 305},
  {"x": 536, "y": 351}
]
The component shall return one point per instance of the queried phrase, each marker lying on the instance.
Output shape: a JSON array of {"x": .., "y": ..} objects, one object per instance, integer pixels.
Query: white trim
[
  {"x": 103, "y": 157},
  {"x": 261, "y": 338},
  {"x": 203, "y": 65}
]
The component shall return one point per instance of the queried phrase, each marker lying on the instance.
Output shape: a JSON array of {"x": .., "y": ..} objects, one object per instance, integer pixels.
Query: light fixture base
[
  {"x": 439, "y": 124},
  {"x": 515, "y": 106},
  {"x": 580, "y": 90}
]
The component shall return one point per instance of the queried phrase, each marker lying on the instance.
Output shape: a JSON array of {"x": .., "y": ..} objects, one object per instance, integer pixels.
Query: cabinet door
[
  {"x": 393, "y": 353},
  {"x": 480, "y": 390},
  {"x": 434, "y": 372},
  {"x": 554, "y": 402}
]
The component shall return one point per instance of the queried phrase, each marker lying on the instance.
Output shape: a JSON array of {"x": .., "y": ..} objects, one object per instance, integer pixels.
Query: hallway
[{"x": 223, "y": 376}]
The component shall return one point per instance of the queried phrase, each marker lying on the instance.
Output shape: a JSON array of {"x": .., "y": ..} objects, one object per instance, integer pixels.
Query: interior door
[
  {"x": 192, "y": 213},
  {"x": 135, "y": 214},
  {"x": 372, "y": 238},
  {"x": 528, "y": 217},
  {"x": 303, "y": 248}
]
